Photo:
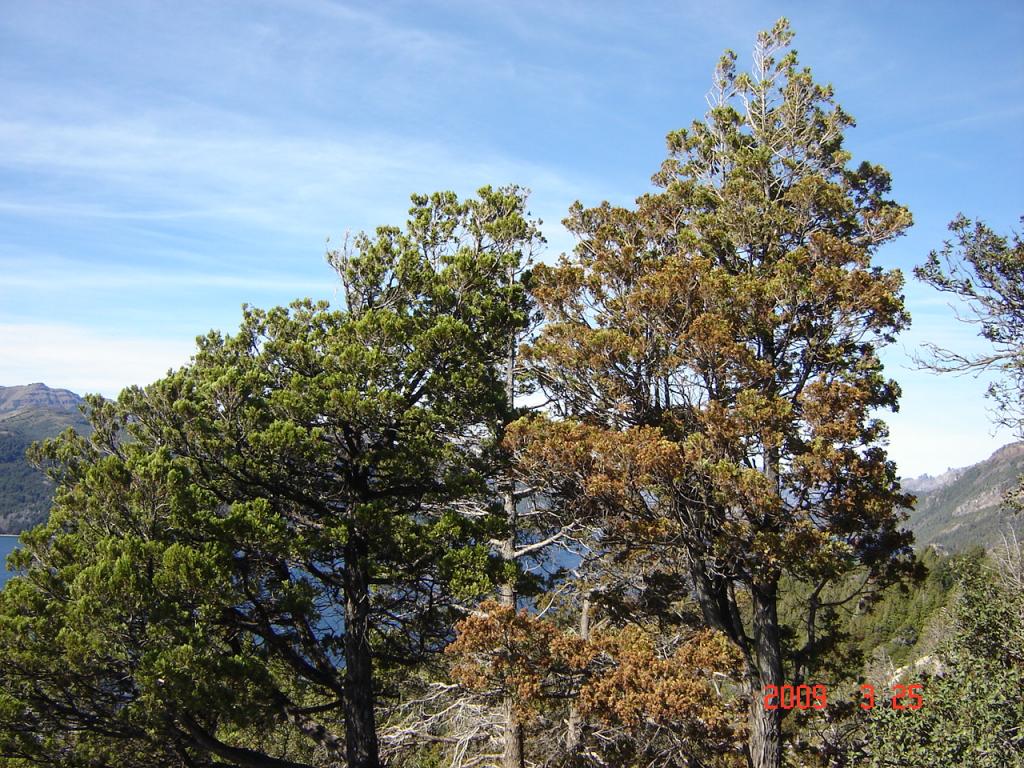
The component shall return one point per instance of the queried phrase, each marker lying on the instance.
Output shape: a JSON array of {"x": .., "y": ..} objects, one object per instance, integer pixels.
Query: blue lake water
[{"x": 7, "y": 544}]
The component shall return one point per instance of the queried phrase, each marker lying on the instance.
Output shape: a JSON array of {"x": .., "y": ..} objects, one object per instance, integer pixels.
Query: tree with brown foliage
[
  {"x": 712, "y": 358},
  {"x": 650, "y": 700}
]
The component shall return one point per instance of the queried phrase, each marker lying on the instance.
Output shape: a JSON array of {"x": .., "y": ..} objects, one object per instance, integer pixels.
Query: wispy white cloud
[
  {"x": 385, "y": 33},
  {"x": 965, "y": 121},
  {"x": 78, "y": 276},
  {"x": 84, "y": 360},
  {"x": 148, "y": 170}
]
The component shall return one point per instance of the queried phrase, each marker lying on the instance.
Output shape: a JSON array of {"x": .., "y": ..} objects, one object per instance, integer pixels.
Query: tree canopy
[{"x": 244, "y": 554}]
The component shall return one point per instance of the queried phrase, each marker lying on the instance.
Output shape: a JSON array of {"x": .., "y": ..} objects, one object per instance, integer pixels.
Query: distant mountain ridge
[
  {"x": 37, "y": 396},
  {"x": 963, "y": 507},
  {"x": 29, "y": 413},
  {"x": 925, "y": 483}
]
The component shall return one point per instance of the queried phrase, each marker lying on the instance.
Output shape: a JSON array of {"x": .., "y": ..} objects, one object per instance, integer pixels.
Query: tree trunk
[
  {"x": 765, "y": 740},
  {"x": 574, "y": 731},
  {"x": 360, "y": 720},
  {"x": 512, "y": 756}
]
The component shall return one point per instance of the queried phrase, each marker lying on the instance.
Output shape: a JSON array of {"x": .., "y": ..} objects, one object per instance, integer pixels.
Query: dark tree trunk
[
  {"x": 765, "y": 741},
  {"x": 360, "y": 721}
]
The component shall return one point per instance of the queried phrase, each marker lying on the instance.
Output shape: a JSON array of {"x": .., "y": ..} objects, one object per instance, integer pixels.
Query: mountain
[
  {"x": 37, "y": 396},
  {"x": 27, "y": 414},
  {"x": 924, "y": 483},
  {"x": 963, "y": 507}
]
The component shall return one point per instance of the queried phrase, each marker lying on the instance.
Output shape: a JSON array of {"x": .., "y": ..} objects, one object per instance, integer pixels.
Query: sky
[{"x": 163, "y": 163}]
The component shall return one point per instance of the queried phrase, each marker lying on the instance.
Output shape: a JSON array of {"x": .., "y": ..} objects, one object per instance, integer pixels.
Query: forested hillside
[
  {"x": 27, "y": 414},
  {"x": 968, "y": 508}
]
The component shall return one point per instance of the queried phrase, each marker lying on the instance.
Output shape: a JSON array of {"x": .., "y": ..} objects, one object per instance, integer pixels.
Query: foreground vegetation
[{"x": 333, "y": 539}]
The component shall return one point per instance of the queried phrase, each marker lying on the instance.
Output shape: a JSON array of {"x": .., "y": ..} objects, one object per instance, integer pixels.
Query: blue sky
[{"x": 161, "y": 164}]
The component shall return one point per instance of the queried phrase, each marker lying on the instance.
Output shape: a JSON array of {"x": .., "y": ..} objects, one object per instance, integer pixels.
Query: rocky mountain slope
[
  {"x": 27, "y": 414},
  {"x": 37, "y": 396},
  {"x": 963, "y": 507}
]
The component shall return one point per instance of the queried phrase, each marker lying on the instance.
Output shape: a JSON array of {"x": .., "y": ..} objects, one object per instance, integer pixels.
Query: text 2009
[
  {"x": 816, "y": 697},
  {"x": 800, "y": 697}
]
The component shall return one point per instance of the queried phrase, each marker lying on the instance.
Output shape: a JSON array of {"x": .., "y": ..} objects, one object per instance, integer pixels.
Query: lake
[{"x": 7, "y": 545}]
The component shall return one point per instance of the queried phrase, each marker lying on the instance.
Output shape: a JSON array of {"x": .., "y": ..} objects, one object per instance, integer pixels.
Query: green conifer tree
[{"x": 244, "y": 550}]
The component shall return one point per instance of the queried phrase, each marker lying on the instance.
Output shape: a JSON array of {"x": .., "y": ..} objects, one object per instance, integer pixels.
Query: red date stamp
[
  {"x": 795, "y": 697},
  {"x": 816, "y": 697}
]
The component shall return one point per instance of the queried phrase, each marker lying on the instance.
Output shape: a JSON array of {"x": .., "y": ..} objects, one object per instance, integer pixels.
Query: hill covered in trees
[
  {"x": 28, "y": 414},
  {"x": 966, "y": 507}
]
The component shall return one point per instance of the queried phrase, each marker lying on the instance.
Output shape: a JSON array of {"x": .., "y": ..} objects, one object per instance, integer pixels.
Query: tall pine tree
[{"x": 712, "y": 354}]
